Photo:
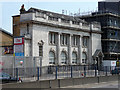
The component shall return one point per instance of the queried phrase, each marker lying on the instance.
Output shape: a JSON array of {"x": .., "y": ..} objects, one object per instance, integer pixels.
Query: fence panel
[{"x": 58, "y": 72}]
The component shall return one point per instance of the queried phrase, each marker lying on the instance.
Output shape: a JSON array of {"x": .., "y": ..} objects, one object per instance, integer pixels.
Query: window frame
[
  {"x": 84, "y": 60},
  {"x": 64, "y": 39},
  {"x": 75, "y": 39},
  {"x": 52, "y": 38},
  {"x": 74, "y": 60},
  {"x": 85, "y": 41},
  {"x": 52, "y": 61},
  {"x": 63, "y": 59}
]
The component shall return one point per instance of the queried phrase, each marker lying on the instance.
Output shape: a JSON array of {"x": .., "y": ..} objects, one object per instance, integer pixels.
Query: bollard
[
  {"x": 38, "y": 73},
  {"x": 71, "y": 72},
  {"x": 56, "y": 73}
]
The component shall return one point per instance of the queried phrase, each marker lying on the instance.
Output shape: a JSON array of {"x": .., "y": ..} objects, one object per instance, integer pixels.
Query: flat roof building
[{"x": 60, "y": 39}]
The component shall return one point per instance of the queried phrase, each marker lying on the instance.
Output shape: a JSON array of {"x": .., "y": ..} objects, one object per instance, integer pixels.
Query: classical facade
[{"x": 60, "y": 39}]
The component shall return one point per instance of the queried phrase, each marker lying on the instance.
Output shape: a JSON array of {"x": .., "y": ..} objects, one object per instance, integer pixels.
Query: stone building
[{"x": 60, "y": 39}]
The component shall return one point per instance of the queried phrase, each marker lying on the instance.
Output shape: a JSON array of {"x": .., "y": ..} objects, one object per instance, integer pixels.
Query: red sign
[
  {"x": 19, "y": 41},
  {"x": 113, "y": 62}
]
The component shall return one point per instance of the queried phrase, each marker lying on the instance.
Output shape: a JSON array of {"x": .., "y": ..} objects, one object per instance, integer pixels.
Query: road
[
  {"x": 101, "y": 86},
  {"x": 97, "y": 85}
]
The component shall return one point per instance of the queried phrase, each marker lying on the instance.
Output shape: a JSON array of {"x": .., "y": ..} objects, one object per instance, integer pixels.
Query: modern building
[
  {"x": 59, "y": 39},
  {"x": 109, "y": 6},
  {"x": 109, "y": 17},
  {"x": 6, "y": 43}
]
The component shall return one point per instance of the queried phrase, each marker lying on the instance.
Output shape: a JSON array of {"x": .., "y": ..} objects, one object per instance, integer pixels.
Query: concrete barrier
[
  {"x": 44, "y": 84},
  {"x": 66, "y": 82},
  {"x": 103, "y": 79},
  {"x": 54, "y": 83},
  {"x": 90, "y": 80},
  {"x": 108, "y": 78},
  {"x": 22, "y": 85},
  {"x": 61, "y": 82},
  {"x": 77, "y": 81}
]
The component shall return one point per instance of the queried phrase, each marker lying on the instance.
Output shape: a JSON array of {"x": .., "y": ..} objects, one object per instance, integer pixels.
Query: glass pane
[
  {"x": 51, "y": 58},
  {"x": 74, "y": 58},
  {"x": 63, "y": 57},
  {"x": 84, "y": 56}
]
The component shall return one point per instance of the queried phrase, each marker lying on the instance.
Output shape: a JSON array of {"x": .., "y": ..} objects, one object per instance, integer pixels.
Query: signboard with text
[
  {"x": 19, "y": 61},
  {"x": 19, "y": 51},
  {"x": 19, "y": 41}
]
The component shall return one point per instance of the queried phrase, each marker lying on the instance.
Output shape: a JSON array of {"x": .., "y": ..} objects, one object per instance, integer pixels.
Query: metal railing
[{"x": 58, "y": 72}]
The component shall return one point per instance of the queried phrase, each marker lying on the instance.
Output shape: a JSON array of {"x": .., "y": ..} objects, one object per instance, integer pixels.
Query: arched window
[
  {"x": 74, "y": 58},
  {"x": 63, "y": 58},
  {"x": 84, "y": 58},
  {"x": 51, "y": 57}
]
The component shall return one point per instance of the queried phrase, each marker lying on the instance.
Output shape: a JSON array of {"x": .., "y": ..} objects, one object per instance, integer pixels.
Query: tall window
[
  {"x": 85, "y": 41},
  {"x": 63, "y": 58},
  {"x": 84, "y": 58},
  {"x": 110, "y": 22},
  {"x": 63, "y": 39},
  {"x": 75, "y": 40},
  {"x": 52, "y": 38},
  {"x": 51, "y": 57},
  {"x": 74, "y": 58}
]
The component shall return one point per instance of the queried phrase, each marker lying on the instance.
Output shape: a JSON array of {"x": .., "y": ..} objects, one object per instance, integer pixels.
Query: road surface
[{"x": 113, "y": 84}]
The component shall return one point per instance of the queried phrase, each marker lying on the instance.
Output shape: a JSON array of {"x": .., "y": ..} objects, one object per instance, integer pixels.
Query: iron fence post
[
  {"x": 110, "y": 69},
  {"x": 115, "y": 70},
  {"x": 17, "y": 73},
  {"x": 37, "y": 73},
  {"x": 84, "y": 71},
  {"x": 71, "y": 72},
  {"x": 56, "y": 72},
  {"x": 95, "y": 71},
  {"x": 106, "y": 70}
]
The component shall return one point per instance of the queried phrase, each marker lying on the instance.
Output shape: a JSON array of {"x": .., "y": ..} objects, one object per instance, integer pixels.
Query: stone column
[
  {"x": 80, "y": 51},
  {"x": 69, "y": 50},
  {"x": 58, "y": 49}
]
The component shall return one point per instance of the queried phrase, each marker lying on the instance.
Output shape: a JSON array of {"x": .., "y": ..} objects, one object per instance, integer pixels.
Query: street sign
[
  {"x": 19, "y": 54},
  {"x": 19, "y": 51},
  {"x": 19, "y": 61},
  {"x": 19, "y": 41},
  {"x": 18, "y": 48}
]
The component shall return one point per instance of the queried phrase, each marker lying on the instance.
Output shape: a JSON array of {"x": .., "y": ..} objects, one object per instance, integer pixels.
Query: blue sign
[{"x": 19, "y": 54}]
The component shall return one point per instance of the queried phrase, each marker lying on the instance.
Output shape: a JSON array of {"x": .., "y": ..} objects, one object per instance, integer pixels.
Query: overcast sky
[{"x": 9, "y": 8}]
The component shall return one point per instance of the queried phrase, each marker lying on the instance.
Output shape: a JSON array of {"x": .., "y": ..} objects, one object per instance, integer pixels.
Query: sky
[{"x": 9, "y": 8}]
